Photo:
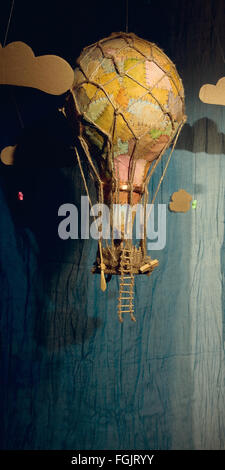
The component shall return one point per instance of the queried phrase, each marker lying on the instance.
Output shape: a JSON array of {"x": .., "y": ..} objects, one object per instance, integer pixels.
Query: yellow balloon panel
[
  {"x": 144, "y": 47},
  {"x": 128, "y": 53},
  {"x": 113, "y": 43},
  {"x": 134, "y": 90},
  {"x": 90, "y": 90},
  {"x": 122, "y": 130},
  {"x": 89, "y": 60},
  {"x": 113, "y": 88},
  {"x": 137, "y": 71},
  {"x": 133, "y": 93},
  {"x": 105, "y": 120}
]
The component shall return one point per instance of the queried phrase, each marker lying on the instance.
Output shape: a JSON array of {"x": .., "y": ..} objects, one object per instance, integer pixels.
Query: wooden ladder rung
[
  {"x": 126, "y": 293},
  {"x": 127, "y": 311}
]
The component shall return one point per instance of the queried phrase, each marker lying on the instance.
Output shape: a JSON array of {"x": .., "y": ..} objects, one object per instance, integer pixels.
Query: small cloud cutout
[
  {"x": 180, "y": 201},
  {"x": 20, "y": 67},
  {"x": 7, "y": 155},
  {"x": 213, "y": 94}
]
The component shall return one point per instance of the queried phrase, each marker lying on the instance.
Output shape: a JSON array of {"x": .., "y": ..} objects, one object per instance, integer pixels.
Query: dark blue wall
[{"x": 73, "y": 377}]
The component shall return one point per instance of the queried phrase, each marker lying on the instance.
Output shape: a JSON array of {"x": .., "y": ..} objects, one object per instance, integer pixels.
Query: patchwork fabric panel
[{"x": 128, "y": 91}]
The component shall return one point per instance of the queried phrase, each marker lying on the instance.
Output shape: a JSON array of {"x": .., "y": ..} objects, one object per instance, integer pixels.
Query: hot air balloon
[{"x": 127, "y": 107}]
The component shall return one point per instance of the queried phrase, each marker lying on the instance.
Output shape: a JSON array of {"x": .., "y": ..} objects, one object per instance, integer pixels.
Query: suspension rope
[
  {"x": 167, "y": 164},
  {"x": 166, "y": 167},
  {"x": 127, "y": 15},
  {"x": 8, "y": 24},
  {"x": 102, "y": 265},
  {"x": 11, "y": 95}
]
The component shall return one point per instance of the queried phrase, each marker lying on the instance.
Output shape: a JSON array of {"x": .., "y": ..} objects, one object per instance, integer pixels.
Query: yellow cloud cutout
[
  {"x": 213, "y": 94},
  {"x": 180, "y": 201},
  {"x": 20, "y": 67},
  {"x": 7, "y": 155}
]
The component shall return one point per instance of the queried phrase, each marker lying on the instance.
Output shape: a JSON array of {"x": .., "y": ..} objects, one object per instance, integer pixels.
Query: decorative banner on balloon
[
  {"x": 7, "y": 155},
  {"x": 213, "y": 94},
  {"x": 20, "y": 67},
  {"x": 180, "y": 201}
]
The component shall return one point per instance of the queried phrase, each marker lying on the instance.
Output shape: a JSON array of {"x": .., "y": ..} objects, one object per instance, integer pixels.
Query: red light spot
[{"x": 20, "y": 196}]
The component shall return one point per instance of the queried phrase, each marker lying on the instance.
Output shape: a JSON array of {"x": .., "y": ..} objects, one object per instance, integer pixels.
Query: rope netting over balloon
[{"x": 127, "y": 108}]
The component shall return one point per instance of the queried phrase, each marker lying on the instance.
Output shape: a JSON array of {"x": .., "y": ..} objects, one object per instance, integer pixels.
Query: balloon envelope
[{"x": 131, "y": 101}]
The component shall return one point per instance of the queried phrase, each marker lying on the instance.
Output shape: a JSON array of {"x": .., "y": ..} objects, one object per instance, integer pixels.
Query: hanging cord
[
  {"x": 167, "y": 164},
  {"x": 165, "y": 169},
  {"x": 127, "y": 15},
  {"x": 9, "y": 21},
  {"x": 18, "y": 113},
  {"x": 12, "y": 97},
  {"x": 102, "y": 265}
]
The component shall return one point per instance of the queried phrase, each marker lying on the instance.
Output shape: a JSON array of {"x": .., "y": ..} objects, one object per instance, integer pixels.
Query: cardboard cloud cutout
[
  {"x": 213, "y": 94},
  {"x": 180, "y": 201},
  {"x": 20, "y": 67},
  {"x": 7, "y": 155}
]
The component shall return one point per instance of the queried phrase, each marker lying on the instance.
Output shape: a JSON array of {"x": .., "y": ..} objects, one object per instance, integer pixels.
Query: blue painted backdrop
[{"x": 73, "y": 377}]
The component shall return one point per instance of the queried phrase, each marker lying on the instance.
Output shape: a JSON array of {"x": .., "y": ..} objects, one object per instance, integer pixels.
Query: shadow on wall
[
  {"x": 45, "y": 172},
  {"x": 203, "y": 136},
  {"x": 223, "y": 285}
]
